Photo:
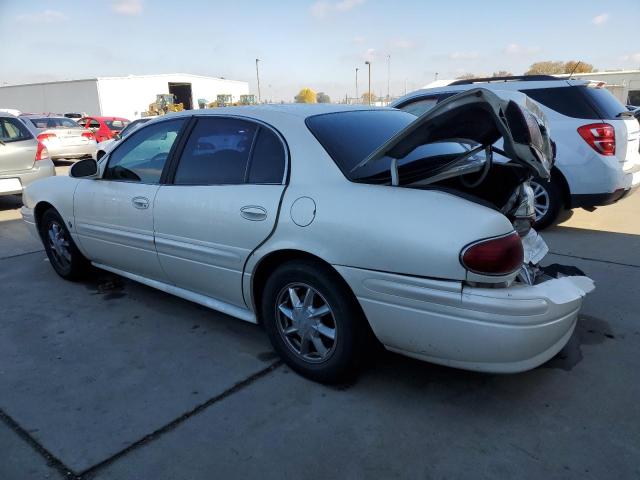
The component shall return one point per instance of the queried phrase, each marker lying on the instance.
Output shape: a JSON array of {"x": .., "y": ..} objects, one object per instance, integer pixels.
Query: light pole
[
  {"x": 368, "y": 63},
  {"x": 258, "y": 78},
  {"x": 357, "y": 85},
  {"x": 388, "y": 76}
]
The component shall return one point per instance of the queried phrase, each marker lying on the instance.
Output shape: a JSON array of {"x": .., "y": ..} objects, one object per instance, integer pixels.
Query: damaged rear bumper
[{"x": 499, "y": 330}]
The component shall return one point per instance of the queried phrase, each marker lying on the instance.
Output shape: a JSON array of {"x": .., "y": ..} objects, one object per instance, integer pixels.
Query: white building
[
  {"x": 624, "y": 84},
  {"x": 117, "y": 96}
]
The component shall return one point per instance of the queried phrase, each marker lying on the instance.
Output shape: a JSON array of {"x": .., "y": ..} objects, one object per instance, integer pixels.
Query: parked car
[
  {"x": 63, "y": 137},
  {"x": 23, "y": 158},
  {"x": 332, "y": 226},
  {"x": 597, "y": 139},
  {"x": 104, "y": 128},
  {"x": 635, "y": 110},
  {"x": 107, "y": 145}
]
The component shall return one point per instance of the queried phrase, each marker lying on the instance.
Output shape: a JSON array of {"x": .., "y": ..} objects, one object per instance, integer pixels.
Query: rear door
[
  {"x": 17, "y": 146},
  {"x": 221, "y": 204}
]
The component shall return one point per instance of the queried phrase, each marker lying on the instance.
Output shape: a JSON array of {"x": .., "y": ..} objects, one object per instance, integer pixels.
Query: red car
[{"x": 104, "y": 128}]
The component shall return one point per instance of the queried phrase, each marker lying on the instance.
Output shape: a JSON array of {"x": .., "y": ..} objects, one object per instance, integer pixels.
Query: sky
[{"x": 314, "y": 43}]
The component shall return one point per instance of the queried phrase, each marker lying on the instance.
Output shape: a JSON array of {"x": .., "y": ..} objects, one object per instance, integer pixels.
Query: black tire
[
  {"x": 73, "y": 266},
  {"x": 550, "y": 191},
  {"x": 352, "y": 334}
]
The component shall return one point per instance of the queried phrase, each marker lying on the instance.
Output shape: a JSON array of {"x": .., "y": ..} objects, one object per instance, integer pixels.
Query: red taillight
[
  {"x": 89, "y": 135},
  {"x": 41, "y": 152},
  {"x": 494, "y": 256},
  {"x": 600, "y": 136},
  {"x": 43, "y": 137}
]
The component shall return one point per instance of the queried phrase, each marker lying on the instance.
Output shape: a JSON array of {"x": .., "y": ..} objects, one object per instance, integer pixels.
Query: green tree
[
  {"x": 306, "y": 95},
  {"x": 545, "y": 68},
  {"x": 322, "y": 97}
]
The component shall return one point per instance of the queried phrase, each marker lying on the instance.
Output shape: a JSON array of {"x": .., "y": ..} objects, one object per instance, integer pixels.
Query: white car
[
  {"x": 332, "y": 226},
  {"x": 597, "y": 138}
]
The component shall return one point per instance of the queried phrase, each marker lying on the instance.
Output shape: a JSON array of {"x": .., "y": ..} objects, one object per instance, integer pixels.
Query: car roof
[{"x": 493, "y": 85}]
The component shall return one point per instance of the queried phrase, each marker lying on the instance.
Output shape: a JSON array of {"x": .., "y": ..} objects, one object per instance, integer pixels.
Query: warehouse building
[
  {"x": 117, "y": 96},
  {"x": 624, "y": 84}
]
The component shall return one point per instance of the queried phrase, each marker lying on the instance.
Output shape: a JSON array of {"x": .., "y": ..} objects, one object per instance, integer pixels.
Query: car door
[
  {"x": 114, "y": 214},
  {"x": 17, "y": 146},
  {"x": 220, "y": 203}
]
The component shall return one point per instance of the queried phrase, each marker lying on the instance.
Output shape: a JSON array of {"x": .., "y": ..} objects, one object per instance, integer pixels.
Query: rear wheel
[
  {"x": 547, "y": 202},
  {"x": 65, "y": 258},
  {"x": 314, "y": 322}
]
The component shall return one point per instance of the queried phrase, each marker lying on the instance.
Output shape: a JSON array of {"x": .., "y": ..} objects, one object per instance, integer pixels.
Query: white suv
[{"x": 597, "y": 138}]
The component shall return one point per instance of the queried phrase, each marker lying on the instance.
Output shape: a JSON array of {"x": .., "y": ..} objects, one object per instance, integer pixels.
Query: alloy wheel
[
  {"x": 59, "y": 245},
  {"x": 306, "y": 322},
  {"x": 540, "y": 200}
]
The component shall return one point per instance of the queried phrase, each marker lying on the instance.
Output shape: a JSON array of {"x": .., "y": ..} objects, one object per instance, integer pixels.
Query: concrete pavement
[{"x": 109, "y": 379}]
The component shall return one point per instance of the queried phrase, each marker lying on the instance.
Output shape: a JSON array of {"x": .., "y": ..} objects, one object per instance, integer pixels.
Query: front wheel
[
  {"x": 547, "y": 201},
  {"x": 314, "y": 322},
  {"x": 64, "y": 256}
]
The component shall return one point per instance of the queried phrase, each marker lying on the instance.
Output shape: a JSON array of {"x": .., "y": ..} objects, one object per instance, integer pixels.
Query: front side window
[
  {"x": 11, "y": 130},
  {"x": 217, "y": 152},
  {"x": 141, "y": 156}
]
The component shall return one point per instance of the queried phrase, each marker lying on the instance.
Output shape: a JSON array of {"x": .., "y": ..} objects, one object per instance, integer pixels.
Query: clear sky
[{"x": 315, "y": 43}]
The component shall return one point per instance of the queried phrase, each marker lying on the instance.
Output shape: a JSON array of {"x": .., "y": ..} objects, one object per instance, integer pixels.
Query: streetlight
[
  {"x": 388, "y": 76},
  {"x": 258, "y": 78},
  {"x": 357, "y": 84},
  {"x": 368, "y": 63}
]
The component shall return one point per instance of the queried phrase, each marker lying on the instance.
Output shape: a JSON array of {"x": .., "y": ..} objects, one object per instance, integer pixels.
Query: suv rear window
[
  {"x": 349, "y": 137},
  {"x": 581, "y": 101}
]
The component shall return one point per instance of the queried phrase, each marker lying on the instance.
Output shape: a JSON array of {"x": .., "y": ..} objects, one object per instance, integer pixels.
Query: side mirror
[
  {"x": 84, "y": 168},
  {"x": 116, "y": 136}
]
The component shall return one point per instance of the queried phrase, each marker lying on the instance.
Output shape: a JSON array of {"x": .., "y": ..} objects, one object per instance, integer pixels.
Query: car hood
[{"x": 482, "y": 117}]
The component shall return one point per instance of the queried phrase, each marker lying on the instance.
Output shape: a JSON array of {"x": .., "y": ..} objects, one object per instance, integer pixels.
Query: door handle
[
  {"x": 140, "y": 202},
  {"x": 253, "y": 213}
]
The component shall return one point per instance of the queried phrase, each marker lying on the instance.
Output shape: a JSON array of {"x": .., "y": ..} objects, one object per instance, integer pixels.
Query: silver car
[
  {"x": 22, "y": 158},
  {"x": 63, "y": 137}
]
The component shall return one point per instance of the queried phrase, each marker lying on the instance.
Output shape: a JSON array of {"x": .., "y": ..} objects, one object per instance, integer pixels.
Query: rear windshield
[
  {"x": 350, "y": 137},
  {"x": 116, "y": 124},
  {"x": 54, "y": 122},
  {"x": 585, "y": 102}
]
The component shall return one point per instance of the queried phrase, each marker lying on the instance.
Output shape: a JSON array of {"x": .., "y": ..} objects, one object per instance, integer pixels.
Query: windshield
[
  {"x": 349, "y": 137},
  {"x": 116, "y": 124},
  {"x": 54, "y": 122}
]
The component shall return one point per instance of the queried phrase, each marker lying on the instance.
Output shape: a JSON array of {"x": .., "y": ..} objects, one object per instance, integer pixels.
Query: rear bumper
[
  {"x": 72, "y": 151},
  {"x": 499, "y": 330},
  {"x": 631, "y": 183},
  {"x": 40, "y": 169}
]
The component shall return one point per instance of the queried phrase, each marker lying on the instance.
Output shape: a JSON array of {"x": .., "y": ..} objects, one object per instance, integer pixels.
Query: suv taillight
[
  {"x": 41, "y": 152},
  {"x": 43, "y": 137},
  {"x": 494, "y": 256},
  {"x": 600, "y": 136}
]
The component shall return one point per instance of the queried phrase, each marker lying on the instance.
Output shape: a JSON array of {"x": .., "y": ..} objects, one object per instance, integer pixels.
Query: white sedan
[{"x": 334, "y": 227}]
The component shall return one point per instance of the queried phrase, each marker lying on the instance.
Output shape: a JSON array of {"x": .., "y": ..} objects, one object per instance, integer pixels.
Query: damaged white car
[{"x": 332, "y": 226}]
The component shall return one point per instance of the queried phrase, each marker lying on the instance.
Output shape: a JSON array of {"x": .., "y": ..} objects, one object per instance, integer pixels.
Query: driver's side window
[{"x": 141, "y": 157}]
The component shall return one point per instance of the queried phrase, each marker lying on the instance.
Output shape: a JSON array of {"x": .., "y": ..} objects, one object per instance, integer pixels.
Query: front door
[
  {"x": 222, "y": 203},
  {"x": 114, "y": 214}
]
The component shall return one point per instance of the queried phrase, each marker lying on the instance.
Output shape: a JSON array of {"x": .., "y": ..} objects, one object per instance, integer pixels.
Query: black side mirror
[{"x": 84, "y": 168}]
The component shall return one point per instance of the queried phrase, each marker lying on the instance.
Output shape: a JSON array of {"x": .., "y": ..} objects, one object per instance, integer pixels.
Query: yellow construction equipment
[{"x": 165, "y": 103}]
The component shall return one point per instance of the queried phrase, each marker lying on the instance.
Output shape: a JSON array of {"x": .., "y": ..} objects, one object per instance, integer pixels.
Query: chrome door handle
[
  {"x": 253, "y": 213},
  {"x": 140, "y": 202}
]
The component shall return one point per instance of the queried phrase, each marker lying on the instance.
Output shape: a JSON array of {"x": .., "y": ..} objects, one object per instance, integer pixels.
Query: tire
[
  {"x": 548, "y": 202},
  {"x": 64, "y": 256},
  {"x": 344, "y": 320}
]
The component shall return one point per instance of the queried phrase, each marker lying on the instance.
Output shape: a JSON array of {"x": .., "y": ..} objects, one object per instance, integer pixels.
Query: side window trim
[
  {"x": 251, "y": 153},
  {"x": 139, "y": 130}
]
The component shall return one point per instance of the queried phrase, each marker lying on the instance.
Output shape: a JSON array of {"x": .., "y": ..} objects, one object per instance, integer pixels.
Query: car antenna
[{"x": 574, "y": 69}]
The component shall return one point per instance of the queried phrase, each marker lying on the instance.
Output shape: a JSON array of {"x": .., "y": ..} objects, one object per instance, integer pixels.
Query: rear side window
[
  {"x": 11, "y": 130},
  {"x": 350, "y": 137},
  {"x": 267, "y": 159},
  {"x": 582, "y": 101},
  {"x": 217, "y": 152}
]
